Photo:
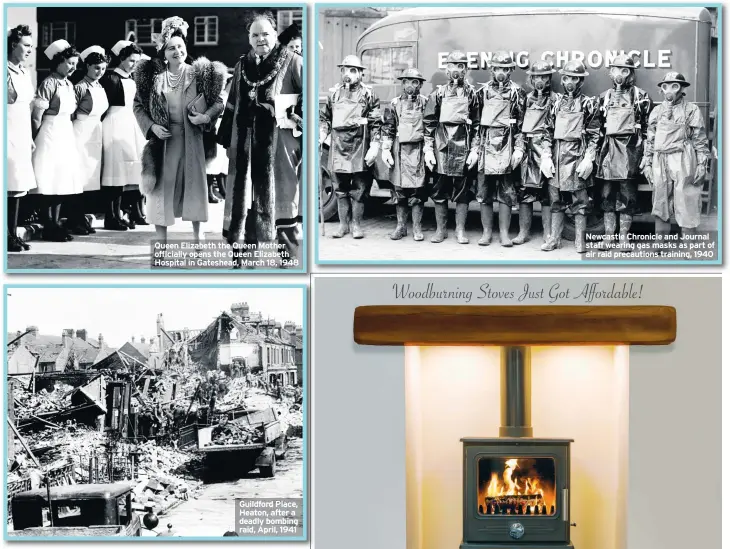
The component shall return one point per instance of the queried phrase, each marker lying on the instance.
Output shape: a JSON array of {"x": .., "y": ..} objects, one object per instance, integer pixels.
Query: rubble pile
[
  {"x": 161, "y": 493},
  {"x": 235, "y": 433},
  {"x": 156, "y": 461},
  {"x": 28, "y": 404}
]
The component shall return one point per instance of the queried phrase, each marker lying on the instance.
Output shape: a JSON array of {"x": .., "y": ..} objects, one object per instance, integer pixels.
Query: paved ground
[
  {"x": 212, "y": 513},
  {"x": 377, "y": 246},
  {"x": 119, "y": 249}
]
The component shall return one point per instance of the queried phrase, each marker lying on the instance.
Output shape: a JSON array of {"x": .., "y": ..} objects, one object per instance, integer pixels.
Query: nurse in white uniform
[
  {"x": 91, "y": 104},
  {"x": 123, "y": 140},
  {"x": 21, "y": 178},
  {"x": 54, "y": 158}
]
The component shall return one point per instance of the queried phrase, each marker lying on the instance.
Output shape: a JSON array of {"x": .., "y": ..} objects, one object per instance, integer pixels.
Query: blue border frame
[
  {"x": 305, "y": 137},
  {"x": 491, "y": 262},
  {"x": 305, "y": 413}
]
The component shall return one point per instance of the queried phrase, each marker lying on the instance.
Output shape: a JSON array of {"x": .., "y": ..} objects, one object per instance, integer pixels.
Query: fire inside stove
[{"x": 516, "y": 486}]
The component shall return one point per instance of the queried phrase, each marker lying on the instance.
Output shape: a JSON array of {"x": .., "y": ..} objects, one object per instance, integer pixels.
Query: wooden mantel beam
[{"x": 514, "y": 325}]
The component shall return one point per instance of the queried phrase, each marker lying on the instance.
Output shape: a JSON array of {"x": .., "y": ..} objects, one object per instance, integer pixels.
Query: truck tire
[{"x": 268, "y": 471}]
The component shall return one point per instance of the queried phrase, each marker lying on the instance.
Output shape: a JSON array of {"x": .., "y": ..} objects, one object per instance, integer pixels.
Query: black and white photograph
[
  {"x": 526, "y": 135},
  {"x": 155, "y": 138},
  {"x": 182, "y": 417}
]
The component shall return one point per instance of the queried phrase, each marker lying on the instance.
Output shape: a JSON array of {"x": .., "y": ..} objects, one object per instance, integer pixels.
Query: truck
[
  {"x": 226, "y": 460},
  {"x": 84, "y": 510},
  {"x": 662, "y": 38}
]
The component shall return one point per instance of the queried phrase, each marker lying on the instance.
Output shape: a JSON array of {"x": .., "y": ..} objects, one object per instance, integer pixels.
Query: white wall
[
  {"x": 577, "y": 392},
  {"x": 230, "y": 351}
]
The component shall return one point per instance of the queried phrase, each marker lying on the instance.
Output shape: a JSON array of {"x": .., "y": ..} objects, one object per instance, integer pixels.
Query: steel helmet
[
  {"x": 574, "y": 68},
  {"x": 674, "y": 77},
  {"x": 412, "y": 73},
  {"x": 624, "y": 61},
  {"x": 539, "y": 68},
  {"x": 457, "y": 56},
  {"x": 352, "y": 61},
  {"x": 502, "y": 59}
]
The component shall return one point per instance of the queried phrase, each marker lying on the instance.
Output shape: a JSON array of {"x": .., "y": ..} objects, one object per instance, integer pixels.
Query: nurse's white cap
[
  {"x": 92, "y": 49},
  {"x": 119, "y": 46},
  {"x": 57, "y": 47},
  {"x": 145, "y": 57}
]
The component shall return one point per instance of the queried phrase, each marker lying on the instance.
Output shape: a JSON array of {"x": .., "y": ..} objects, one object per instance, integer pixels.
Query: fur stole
[{"x": 210, "y": 78}]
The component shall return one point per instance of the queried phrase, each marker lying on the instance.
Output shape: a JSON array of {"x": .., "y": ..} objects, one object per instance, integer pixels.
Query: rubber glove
[
  {"x": 372, "y": 153},
  {"x": 472, "y": 159},
  {"x": 430, "y": 159},
  {"x": 585, "y": 167},
  {"x": 517, "y": 157},
  {"x": 546, "y": 166},
  {"x": 387, "y": 157},
  {"x": 700, "y": 174}
]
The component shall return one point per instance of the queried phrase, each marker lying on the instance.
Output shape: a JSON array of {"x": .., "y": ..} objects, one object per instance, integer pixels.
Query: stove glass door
[{"x": 516, "y": 486}]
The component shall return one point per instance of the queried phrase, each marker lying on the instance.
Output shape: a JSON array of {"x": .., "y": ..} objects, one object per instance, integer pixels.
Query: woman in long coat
[
  {"x": 175, "y": 104},
  {"x": 265, "y": 152},
  {"x": 123, "y": 140},
  {"x": 21, "y": 178},
  {"x": 54, "y": 158},
  {"x": 91, "y": 104}
]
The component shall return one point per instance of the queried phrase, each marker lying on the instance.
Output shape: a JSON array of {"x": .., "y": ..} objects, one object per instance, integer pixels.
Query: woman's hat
[
  {"x": 119, "y": 46},
  {"x": 170, "y": 25},
  {"x": 92, "y": 49},
  {"x": 57, "y": 47}
]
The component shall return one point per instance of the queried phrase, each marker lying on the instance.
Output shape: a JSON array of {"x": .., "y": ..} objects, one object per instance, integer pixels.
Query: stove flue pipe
[{"x": 516, "y": 385}]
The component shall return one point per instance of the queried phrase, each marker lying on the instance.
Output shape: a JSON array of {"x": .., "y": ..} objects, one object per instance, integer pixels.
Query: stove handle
[{"x": 566, "y": 518}]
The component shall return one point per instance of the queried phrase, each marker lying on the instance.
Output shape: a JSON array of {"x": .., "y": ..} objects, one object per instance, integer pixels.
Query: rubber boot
[
  {"x": 580, "y": 233},
  {"x": 487, "y": 214},
  {"x": 442, "y": 213},
  {"x": 624, "y": 227},
  {"x": 546, "y": 223},
  {"x": 461, "y": 211},
  {"x": 687, "y": 231},
  {"x": 556, "y": 232},
  {"x": 609, "y": 222},
  {"x": 525, "y": 224},
  {"x": 343, "y": 210},
  {"x": 400, "y": 229},
  {"x": 417, "y": 215},
  {"x": 358, "y": 210},
  {"x": 505, "y": 216},
  {"x": 661, "y": 230}
]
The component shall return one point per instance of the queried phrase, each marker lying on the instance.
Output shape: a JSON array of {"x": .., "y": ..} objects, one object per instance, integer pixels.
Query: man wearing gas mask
[
  {"x": 624, "y": 113},
  {"x": 501, "y": 148},
  {"x": 403, "y": 150},
  {"x": 676, "y": 153},
  {"x": 451, "y": 120},
  {"x": 575, "y": 130},
  {"x": 538, "y": 164},
  {"x": 351, "y": 117}
]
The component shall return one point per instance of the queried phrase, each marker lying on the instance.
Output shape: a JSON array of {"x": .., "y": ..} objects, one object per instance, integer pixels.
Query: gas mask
[
  {"x": 350, "y": 76},
  {"x": 671, "y": 91},
  {"x": 540, "y": 83},
  {"x": 571, "y": 84},
  {"x": 621, "y": 76},
  {"x": 411, "y": 86},
  {"x": 456, "y": 72},
  {"x": 501, "y": 75}
]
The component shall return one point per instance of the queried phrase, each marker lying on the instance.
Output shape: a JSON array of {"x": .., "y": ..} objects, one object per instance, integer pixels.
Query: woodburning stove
[{"x": 516, "y": 488}]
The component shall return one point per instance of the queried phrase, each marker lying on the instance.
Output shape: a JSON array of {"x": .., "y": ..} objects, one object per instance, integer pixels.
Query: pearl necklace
[{"x": 173, "y": 81}]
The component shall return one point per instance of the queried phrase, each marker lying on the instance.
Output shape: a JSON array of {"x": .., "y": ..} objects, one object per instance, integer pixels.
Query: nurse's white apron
[
  {"x": 123, "y": 142},
  {"x": 87, "y": 128},
  {"x": 55, "y": 157},
  {"x": 21, "y": 177}
]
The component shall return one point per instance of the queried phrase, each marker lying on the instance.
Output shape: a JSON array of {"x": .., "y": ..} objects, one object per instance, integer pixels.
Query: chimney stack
[
  {"x": 132, "y": 339},
  {"x": 81, "y": 334},
  {"x": 142, "y": 339},
  {"x": 67, "y": 337},
  {"x": 101, "y": 341},
  {"x": 33, "y": 331}
]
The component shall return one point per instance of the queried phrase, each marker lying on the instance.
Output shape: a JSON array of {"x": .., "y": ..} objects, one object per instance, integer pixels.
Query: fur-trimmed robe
[
  {"x": 264, "y": 160},
  {"x": 150, "y": 107}
]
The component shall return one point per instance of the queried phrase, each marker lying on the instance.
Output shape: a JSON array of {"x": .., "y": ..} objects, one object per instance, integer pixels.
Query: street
[{"x": 212, "y": 512}]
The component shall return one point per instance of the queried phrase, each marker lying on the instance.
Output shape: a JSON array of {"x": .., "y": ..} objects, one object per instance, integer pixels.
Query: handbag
[{"x": 198, "y": 105}]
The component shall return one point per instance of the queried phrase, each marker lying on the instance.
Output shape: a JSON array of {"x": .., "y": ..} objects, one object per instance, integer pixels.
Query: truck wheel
[
  {"x": 268, "y": 471},
  {"x": 594, "y": 225}
]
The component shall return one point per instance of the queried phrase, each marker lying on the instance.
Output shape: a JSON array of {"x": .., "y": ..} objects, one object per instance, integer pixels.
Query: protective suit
[
  {"x": 351, "y": 117},
  {"x": 624, "y": 114},
  {"x": 538, "y": 149},
  {"x": 676, "y": 153},
  {"x": 451, "y": 121},
  {"x": 501, "y": 147},
  {"x": 403, "y": 139},
  {"x": 575, "y": 129}
]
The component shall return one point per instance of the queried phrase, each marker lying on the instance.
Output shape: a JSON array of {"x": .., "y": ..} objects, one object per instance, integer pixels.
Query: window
[
  {"x": 284, "y": 18},
  {"x": 206, "y": 30},
  {"x": 145, "y": 30},
  {"x": 384, "y": 65},
  {"x": 63, "y": 30}
]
